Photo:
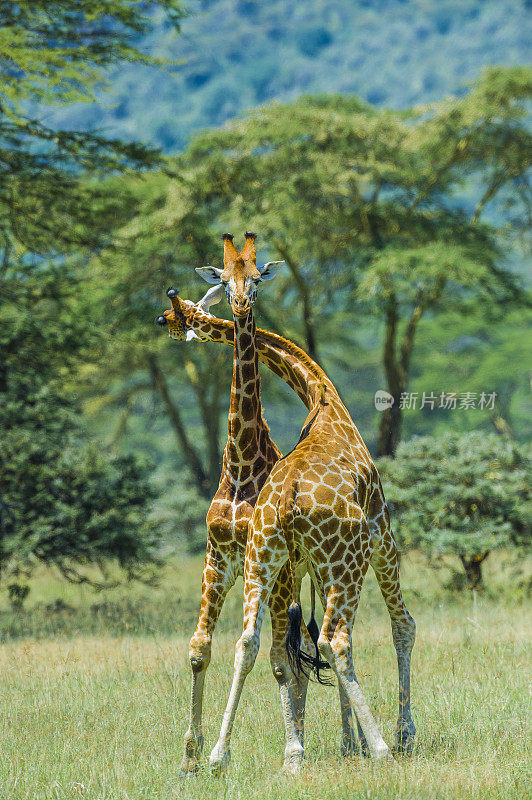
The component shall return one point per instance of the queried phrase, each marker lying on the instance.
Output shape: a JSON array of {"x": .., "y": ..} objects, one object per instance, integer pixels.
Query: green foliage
[
  {"x": 460, "y": 495},
  {"x": 58, "y": 53},
  {"x": 63, "y": 500},
  {"x": 187, "y": 385},
  {"x": 476, "y": 348},
  {"x": 180, "y": 518}
]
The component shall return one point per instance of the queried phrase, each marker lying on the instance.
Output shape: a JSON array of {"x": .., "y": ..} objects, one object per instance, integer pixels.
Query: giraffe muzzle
[{"x": 241, "y": 306}]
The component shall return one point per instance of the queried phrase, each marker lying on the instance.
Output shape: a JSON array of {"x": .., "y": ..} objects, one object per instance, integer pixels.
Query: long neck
[
  {"x": 245, "y": 420},
  {"x": 282, "y": 356}
]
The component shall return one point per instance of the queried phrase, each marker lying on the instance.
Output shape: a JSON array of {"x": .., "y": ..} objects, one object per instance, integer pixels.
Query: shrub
[{"x": 461, "y": 495}]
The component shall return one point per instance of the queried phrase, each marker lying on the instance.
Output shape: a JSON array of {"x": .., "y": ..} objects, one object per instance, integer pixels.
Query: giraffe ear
[
  {"x": 210, "y": 274},
  {"x": 270, "y": 270},
  {"x": 212, "y": 296}
]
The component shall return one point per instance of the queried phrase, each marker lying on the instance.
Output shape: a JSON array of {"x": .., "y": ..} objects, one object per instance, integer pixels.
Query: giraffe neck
[
  {"x": 245, "y": 421},
  {"x": 282, "y": 356}
]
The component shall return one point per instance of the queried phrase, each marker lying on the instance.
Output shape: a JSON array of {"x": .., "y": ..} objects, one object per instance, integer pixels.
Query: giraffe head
[
  {"x": 240, "y": 275},
  {"x": 175, "y": 318},
  {"x": 180, "y": 318}
]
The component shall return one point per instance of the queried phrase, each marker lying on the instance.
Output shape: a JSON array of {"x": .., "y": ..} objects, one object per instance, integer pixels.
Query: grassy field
[{"x": 95, "y": 690}]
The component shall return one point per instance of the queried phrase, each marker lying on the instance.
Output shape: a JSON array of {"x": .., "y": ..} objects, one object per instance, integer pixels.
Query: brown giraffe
[
  {"x": 248, "y": 458},
  {"x": 332, "y": 459}
]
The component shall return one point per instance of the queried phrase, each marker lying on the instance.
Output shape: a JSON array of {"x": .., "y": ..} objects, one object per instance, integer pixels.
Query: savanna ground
[{"x": 95, "y": 693}]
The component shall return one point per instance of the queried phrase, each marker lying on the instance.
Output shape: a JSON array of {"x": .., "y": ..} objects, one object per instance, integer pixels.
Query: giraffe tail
[{"x": 300, "y": 662}]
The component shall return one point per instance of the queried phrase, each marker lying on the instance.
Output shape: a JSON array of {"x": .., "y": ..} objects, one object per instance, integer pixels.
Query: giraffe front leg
[
  {"x": 218, "y": 577},
  {"x": 258, "y": 585}
]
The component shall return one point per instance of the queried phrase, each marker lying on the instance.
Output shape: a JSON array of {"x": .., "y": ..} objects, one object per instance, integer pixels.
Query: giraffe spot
[
  {"x": 248, "y": 408},
  {"x": 248, "y": 373},
  {"x": 247, "y": 437},
  {"x": 244, "y": 341}
]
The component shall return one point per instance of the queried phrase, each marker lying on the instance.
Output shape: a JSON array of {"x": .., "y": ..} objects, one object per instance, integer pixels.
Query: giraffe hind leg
[
  {"x": 335, "y": 645},
  {"x": 385, "y": 564},
  {"x": 349, "y": 743}
]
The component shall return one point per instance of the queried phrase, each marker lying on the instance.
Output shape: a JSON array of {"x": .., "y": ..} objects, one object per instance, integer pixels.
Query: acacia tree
[
  {"x": 346, "y": 195},
  {"x": 479, "y": 350},
  {"x": 463, "y": 496},
  {"x": 373, "y": 206}
]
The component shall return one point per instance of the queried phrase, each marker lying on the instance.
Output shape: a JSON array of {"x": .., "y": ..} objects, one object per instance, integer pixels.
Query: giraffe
[
  {"x": 248, "y": 458},
  {"x": 330, "y": 422}
]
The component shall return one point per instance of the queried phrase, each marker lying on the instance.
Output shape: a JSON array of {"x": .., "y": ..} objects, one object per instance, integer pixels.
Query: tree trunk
[
  {"x": 390, "y": 422},
  {"x": 304, "y": 293},
  {"x": 189, "y": 452},
  {"x": 473, "y": 570},
  {"x": 397, "y": 365},
  {"x": 210, "y": 415},
  {"x": 389, "y": 432}
]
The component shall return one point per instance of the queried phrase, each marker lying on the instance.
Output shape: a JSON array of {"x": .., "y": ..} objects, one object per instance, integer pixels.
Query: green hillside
[{"x": 238, "y": 54}]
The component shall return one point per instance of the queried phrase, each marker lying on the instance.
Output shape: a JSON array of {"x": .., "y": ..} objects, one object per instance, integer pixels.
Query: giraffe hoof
[
  {"x": 219, "y": 763},
  {"x": 293, "y": 760},
  {"x": 404, "y": 741},
  {"x": 292, "y": 767},
  {"x": 186, "y": 774}
]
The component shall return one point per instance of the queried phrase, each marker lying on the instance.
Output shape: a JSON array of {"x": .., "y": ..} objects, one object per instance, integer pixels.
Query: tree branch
[
  {"x": 490, "y": 192},
  {"x": 407, "y": 341}
]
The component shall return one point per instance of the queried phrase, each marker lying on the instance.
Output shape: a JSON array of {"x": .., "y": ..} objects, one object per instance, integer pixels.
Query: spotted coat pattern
[{"x": 322, "y": 506}]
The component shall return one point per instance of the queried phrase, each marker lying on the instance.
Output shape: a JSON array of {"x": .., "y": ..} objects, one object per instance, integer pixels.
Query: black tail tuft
[
  {"x": 293, "y": 638},
  {"x": 296, "y": 656}
]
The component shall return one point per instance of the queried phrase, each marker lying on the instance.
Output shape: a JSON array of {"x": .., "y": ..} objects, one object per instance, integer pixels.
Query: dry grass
[{"x": 104, "y": 716}]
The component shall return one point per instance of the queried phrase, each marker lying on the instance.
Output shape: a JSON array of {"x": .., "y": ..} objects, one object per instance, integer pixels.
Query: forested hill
[{"x": 241, "y": 53}]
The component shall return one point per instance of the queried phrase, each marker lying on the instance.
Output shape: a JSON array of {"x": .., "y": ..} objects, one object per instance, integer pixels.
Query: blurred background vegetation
[{"x": 382, "y": 149}]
